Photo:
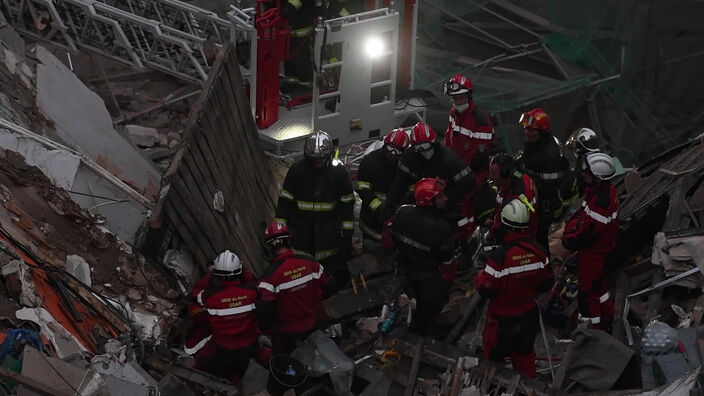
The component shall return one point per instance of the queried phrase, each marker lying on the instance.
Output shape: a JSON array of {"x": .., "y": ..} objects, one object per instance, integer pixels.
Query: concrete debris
[
  {"x": 65, "y": 344},
  {"x": 78, "y": 267},
  {"x": 142, "y": 136}
]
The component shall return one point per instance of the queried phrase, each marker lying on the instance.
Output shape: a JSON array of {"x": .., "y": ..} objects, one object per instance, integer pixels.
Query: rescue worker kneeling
[
  {"x": 423, "y": 238},
  {"x": 230, "y": 305},
  {"x": 514, "y": 274},
  {"x": 291, "y": 290}
]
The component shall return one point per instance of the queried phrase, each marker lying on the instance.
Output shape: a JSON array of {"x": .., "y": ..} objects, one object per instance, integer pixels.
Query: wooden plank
[
  {"x": 199, "y": 235},
  {"x": 209, "y": 381},
  {"x": 413, "y": 373},
  {"x": 207, "y": 187},
  {"x": 174, "y": 217},
  {"x": 430, "y": 357},
  {"x": 457, "y": 377},
  {"x": 468, "y": 310},
  {"x": 199, "y": 205}
]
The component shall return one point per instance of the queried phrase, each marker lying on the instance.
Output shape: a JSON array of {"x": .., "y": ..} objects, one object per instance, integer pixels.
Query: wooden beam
[
  {"x": 209, "y": 381},
  {"x": 413, "y": 374}
]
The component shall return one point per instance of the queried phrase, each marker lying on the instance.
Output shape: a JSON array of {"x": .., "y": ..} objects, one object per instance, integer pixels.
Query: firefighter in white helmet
[
  {"x": 316, "y": 203},
  {"x": 230, "y": 305},
  {"x": 514, "y": 274},
  {"x": 592, "y": 231}
]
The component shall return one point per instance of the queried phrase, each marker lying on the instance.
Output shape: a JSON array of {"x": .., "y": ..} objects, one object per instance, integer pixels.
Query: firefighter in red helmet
[
  {"x": 427, "y": 158},
  {"x": 543, "y": 161},
  {"x": 291, "y": 290},
  {"x": 374, "y": 178},
  {"x": 423, "y": 238},
  {"x": 469, "y": 132}
]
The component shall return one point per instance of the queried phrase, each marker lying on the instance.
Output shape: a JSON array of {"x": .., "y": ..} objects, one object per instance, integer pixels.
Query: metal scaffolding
[{"x": 166, "y": 35}]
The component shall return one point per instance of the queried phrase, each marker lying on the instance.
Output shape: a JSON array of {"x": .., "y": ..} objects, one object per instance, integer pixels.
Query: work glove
[{"x": 448, "y": 271}]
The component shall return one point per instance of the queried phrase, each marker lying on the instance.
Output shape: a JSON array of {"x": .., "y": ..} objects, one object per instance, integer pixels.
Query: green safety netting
[{"x": 605, "y": 45}]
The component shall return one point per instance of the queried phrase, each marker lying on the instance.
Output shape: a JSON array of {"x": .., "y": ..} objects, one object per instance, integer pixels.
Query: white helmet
[
  {"x": 600, "y": 165},
  {"x": 515, "y": 215},
  {"x": 318, "y": 145},
  {"x": 227, "y": 264}
]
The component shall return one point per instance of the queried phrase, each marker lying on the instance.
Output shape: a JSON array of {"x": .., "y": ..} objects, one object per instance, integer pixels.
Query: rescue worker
[
  {"x": 512, "y": 184},
  {"x": 428, "y": 158},
  {"x": 316, "y": 203},
  {"x": 374, "y": 177},
  {"x": 198, "y": 342},
  {"x": 230, "y": 305},
  {"x": 423, "y": 238},
  {"x": 543, "y": 161},
  {"x": 514, "y": 274},
  {"x": 470, "y": 132},
  {"x": 592, "y": 231},
  {"x": 581, "y": 142},
  {"x": 291, "y": 291}
]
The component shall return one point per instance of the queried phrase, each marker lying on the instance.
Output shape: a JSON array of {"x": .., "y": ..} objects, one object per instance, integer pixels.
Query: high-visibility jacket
[
  {"x": 231, "y": 312},
  {"x": 521, "y": 187},
  {"x": 294, "y": 283},
  {"x": 444, "y": 164},
  {"x": 469, "y": 134},
  {"x": 514, "y": 274},
  {"x": 374, "y": 179},
  {"x": 544, "y": 163},
  {"x": 317, "y": 206},
  {"x": 593, "y": 228}
]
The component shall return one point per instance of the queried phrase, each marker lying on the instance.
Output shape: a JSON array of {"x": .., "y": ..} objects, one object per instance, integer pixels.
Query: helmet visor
[{"x": 526, "y": 120}]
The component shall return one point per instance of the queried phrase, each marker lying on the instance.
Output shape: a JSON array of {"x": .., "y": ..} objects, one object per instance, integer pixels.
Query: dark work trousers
[
  {"x": 431, "y": 293},
  {"x": 514, "y": 337},
  {"x": 231, "y": 363}
]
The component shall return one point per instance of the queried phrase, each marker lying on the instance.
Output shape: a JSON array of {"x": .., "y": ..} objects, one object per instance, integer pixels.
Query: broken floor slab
[
  {"x": 82, "y": 122},
  {"x": 59, "y": 375}
]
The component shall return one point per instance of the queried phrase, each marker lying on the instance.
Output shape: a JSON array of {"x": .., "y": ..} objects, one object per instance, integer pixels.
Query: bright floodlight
[{"x": 374, "y": 47}]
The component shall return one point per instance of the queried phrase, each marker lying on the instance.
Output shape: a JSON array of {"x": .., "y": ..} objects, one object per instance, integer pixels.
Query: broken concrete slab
[
  {"x": 82, "y": 122},
  {"x": 57, "y": 374},
  {"x": 143, "y": 136}
]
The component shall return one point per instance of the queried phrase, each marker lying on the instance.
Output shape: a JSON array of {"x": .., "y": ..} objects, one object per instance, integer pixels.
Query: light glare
[{"x": 374, "y": 47}]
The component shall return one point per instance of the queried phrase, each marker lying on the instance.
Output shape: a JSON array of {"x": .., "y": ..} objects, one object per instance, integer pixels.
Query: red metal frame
[{"x": 272, "y": 47}]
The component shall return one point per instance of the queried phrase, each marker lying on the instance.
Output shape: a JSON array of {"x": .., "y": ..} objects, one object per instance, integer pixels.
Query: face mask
[
  {"x": 461, "y": 108},
  {"x": 428, "y": 154}
]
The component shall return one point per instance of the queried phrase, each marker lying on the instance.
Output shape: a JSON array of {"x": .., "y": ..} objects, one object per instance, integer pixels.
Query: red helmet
[
  {"x": 536, "y": 118},
  {"x": 458, "y": 84},
  {"x": 396, "y": 141},
  {"x": 427, "y": 189},
  {"x": 422, "y": 133},
  {"x": 276, "y": 234}
]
